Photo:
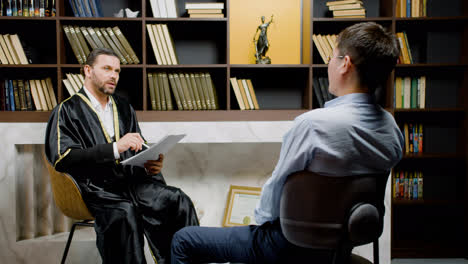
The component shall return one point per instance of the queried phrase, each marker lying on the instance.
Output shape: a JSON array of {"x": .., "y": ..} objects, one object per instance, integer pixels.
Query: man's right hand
[{"x": 131, "y": 141}]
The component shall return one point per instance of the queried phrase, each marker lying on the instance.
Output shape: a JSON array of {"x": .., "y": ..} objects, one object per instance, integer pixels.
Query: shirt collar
[
  {"x": 350, "y": 98},
  {"x": 95, "y": 102}
]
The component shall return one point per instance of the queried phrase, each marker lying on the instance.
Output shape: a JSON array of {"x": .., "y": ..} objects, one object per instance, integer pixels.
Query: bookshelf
[{"x": 434, "y": 227}]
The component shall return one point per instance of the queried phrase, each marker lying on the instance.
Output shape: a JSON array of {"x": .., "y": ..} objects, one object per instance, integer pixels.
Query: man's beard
[
  {"x": 101, "y": 86},
  {"x": 106, "y": 91}
]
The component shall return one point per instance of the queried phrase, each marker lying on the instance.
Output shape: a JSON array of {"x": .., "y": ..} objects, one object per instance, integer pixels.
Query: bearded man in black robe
[{"x": 87, "y": 135}]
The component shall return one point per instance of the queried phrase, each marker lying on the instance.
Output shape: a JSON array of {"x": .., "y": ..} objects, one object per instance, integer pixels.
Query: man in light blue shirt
[{"x": 351, "y": 135}]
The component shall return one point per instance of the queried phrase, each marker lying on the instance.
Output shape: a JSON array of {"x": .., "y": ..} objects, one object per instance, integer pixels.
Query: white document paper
[{"x": 162, "y": 147}]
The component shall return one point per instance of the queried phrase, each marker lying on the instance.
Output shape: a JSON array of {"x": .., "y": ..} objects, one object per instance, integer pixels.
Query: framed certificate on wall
[{"x": 240, "y": 205}]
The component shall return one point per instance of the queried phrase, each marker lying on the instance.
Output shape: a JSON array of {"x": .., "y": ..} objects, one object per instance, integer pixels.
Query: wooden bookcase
[{"x": 434, "y": 227}]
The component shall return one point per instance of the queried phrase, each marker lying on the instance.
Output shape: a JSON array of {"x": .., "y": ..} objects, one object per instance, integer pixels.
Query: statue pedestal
[{"x": 265, "y": 60}]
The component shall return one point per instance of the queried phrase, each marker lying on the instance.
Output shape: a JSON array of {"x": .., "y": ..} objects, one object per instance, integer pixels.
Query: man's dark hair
[
  {"x": 372, "y": 49},
  {"x": 99, "y": 51}
]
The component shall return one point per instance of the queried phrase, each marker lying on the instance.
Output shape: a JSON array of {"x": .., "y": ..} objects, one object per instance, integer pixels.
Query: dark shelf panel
[
  {"x": 426, "y": 202},
  {"x": 28, "y": 18},
  {"x": 218, "y": 115},
  {"x": 433, "y": 65},
  {"x": 429, "y": 110},
  {"x": 431, "y": 19},
  {"x": 24, "y": 116},
  {"x": 80, "y": 66},
  {"x": 424, "y": 249},
  {"x": 432, "y": 156}
]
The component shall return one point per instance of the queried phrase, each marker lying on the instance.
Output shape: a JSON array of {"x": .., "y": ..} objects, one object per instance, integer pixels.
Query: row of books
[
  {"x": 111, "y": 38},
  {"x": 86, "y": 8},
  {"x": 27, "y": 95},
  {"x": 413, "y": 137},
  {"x": 164, "y": 8},
  {"x": 11, "y": 50},
  {"x": 27, "y": 8},
  {"x": 325, "y": 45},
  {"x": 191, "y": 91},
  {"x": 245, "y": 94},
  {"x": 162, "y": 44},
  {"x": 73, "y": 82},
  {"x": 205, "y": 10},
  {"x": 408, "y": 185},
  {"x": 410, "y": 92},
  {"x": 347, "y": 8},
  {"x": 411, "y": 8},
  {"x": 405, "y": 51},
  {"x": 321, "y": 92}
]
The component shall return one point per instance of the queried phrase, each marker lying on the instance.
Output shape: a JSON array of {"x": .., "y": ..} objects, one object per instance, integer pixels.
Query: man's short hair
[
  {"x": 90, "y": 60},
  {"x": 372, "y": 49}
]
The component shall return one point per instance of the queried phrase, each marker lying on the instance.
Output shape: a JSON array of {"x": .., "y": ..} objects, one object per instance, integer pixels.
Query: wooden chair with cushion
[
  {"x": 333, "y": 213},
  {"x": 67, "y": 196}
]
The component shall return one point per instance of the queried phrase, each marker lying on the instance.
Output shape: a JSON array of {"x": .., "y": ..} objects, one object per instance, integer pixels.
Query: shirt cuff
[{"x": 116, "y": 151}]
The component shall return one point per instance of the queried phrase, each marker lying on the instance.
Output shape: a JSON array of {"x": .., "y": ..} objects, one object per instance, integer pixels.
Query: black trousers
[
  {"x": 245, "y": 244},
  {"x": 126, "y": 211}
]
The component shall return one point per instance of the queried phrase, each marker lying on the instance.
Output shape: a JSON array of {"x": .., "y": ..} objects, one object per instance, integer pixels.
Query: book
[
  {"x": 155, "y": 8},
  {"x": 6, "y": 50},
  {"x": 204, "y": 11},
  {"x": 175, "y": 91},
  {"x": 19, "y": 49},
  {"x": 95, "y": 37},
  {"x": 88, "y": 38},
  {"x": 171, "y": 8},
  {"x": 81, "y": 49},
  {"x": 167, "y": 91},
  {"x": 204, "y": 97},
  {"x": 50, "y": 89},
  {"x": 407, "y": 92},
  {"x": 187, "y": 95},
  {"x": 161, "y": 147},
  {"x": 350, "y": 12},
  {"x": 317, "y": 92},
  {"x": 82, "y": 42},
  {"x": 162, "y": 96},
  {"x": 247, "y": 93},
  {"x": 3, "y": 57},
  {"x": 252, "y": 93},
  {"x": 28, "y": 94},
  {"x": 154, "y": 44},
  {"x": 119, "y": 45},
  {"x": 199, "y": 89},
  {"x": 180, "y": 92},
  {"x": 243, "y": 94},
  {"x": 47, "y": 96},
  {"x": 319, "y": 48},
  {"x": 162, "y": 8},
  {"x": 76, "y": 86},
  {"x": 123, "y": 40},
  {"x": 163, "y": 48},
  {"x": 102, "y": 38},
  {"x": 191, "y": 5},
  {"x": 194, "y": 92},
  {"x": 16, "y": 95},
  {"x": 325, "y": 46},
  {"x": 35, "y": 95},
  {"x": 73, "y": 45},
  {"x": 414, "y": 93},
  {"x": 22, "y": 95},
  {"x": 343, "y": 2},
  {"x": 212, "y": 91},
  {"x": 157, "y": 92},
  {"x": 11, "y": 95},
  {"x": 69, "y": 87},
  {"x": 170, "y": 44},
  {"x": 422, "y": 93},
  {"x": 151, "y": 91},
  {"x": 346, "y": 7},
  {"x": 11, "y": 49},
  {"x": 398, "y": 92},
  {"x": 114, "y": 47},
  {"x": 195, "y": 15},
  {"x": 236, "y": 89}
]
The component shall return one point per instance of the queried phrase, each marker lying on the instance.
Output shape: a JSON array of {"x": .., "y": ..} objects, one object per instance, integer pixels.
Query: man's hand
[
  {"x": 131, "y": 141},
  {"x": 154, "y": 166}
]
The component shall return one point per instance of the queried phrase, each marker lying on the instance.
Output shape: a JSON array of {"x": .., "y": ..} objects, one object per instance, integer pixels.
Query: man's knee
[{"x": 182, "y": 240}]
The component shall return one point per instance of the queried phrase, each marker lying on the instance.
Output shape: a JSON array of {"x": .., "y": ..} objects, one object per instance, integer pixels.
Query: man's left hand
[{"x": 154, "y": 166}]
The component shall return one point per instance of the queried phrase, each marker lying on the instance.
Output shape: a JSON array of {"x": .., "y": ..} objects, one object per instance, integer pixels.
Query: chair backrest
[
  {"x": 67, "y": 195},
  {"x": 331, "y": 212}
]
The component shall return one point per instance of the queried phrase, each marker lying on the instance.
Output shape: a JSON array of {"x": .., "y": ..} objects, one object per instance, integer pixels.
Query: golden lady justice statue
[{"x": 261, "y": 44}]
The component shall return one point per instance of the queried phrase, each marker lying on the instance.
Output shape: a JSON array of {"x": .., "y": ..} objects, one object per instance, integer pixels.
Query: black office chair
[{"x": 334, "y": 213}]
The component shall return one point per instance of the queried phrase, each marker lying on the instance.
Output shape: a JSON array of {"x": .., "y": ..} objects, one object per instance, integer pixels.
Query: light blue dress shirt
[{"x": 350, "y": 135}]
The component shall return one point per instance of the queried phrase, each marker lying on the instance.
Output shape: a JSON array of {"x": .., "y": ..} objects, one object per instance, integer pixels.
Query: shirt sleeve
[
  {"x": 116, "y": 151},
  {"x": 296, "y": 153}
]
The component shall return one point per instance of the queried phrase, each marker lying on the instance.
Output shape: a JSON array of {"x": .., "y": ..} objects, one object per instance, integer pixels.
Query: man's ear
[
  {"x": 345, "y": 65},
  {"x": 87, "y": 70}
]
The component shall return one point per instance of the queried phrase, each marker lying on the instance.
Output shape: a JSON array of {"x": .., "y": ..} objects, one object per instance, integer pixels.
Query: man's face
[{"x": 104, "y": 74}]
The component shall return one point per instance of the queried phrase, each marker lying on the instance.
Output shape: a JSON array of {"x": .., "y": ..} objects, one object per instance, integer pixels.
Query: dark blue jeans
[{"x": 245, "y": 244}]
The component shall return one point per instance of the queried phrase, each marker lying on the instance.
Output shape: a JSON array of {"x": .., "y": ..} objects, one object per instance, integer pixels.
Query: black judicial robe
[{"x": 125, "y": 201}]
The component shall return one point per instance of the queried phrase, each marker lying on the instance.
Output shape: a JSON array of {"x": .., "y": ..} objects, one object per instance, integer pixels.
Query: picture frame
[{"x": 240, "y": 205}]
